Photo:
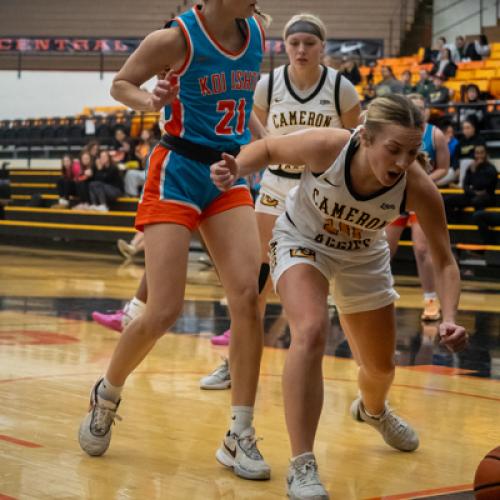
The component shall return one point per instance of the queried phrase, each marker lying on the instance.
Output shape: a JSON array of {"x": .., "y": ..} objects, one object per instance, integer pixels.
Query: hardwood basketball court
[{"x": 51, "y": 353}]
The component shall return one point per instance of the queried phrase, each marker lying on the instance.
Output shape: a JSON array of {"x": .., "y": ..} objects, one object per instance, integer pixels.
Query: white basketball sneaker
[
  {"x": 95, "y": 430},
  {"x": 395, "y": 431},
  {"x": 303, "y": 481},
  {"x": 220, "y": 378},
  {"x": 241, "y": 454}
]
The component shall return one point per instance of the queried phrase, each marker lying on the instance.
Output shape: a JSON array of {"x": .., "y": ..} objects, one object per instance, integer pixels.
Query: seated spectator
[
  {"x": 82, "y": 183},
  {"x": 477, "y": 106},
  {"x": 439, "y": 93},
  {"x": 121, "y": 150},
  {"x": 389, "y": 84},
  {"x": 351, "y": 71},
  {"x": 66, "y": 186},
  {"x": 370, "y": 77},
  {"x": 106, "y": 184},
  {"x": 445, "y": 67},
  {"x": 479, "y": 49},
  {"x": 424, "y": 85},
  {"x": 458, "y": 50},
  {"x": 486, "y": 221},
  {"x": 454, "y": 150},
  {"x": 135, "y": 178},
  {"x": 468, "y": 142},
  {"x": 93, "y": 147},
  {"x": 479, "y": 185},
  {"x": 369, "y": 94},
  {"x": 406, "y": 82},
  {"x": 333, "y": 60}
]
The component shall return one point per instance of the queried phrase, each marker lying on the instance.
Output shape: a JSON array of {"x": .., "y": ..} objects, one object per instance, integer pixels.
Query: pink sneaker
[
  {"x": 222, "y": 339},
  {"x": 112, "y": 321}
]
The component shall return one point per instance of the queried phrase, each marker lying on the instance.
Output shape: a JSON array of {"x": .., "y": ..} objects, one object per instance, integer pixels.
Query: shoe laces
[
  {"x": 306, "y": 474},
  {"x": 222, "y": 369},
  {"x": 396, "y": 423},
  {"x": 103, "y": 418},
  {"x": 248, "y": 444}
]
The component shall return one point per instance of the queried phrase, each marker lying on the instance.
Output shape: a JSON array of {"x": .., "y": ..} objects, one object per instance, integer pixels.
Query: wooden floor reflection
[{"x": 51, "y": 353}]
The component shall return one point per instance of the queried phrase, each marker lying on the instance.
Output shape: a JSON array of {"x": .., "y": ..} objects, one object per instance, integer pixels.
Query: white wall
[
  {"x": 467, "y": 11},
  {"x": 52, "y": 93}
]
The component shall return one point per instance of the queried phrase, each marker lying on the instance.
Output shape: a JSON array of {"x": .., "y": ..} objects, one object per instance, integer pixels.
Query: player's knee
[
  {"x": 157, "y": 323},
  {"x": 310, "y": 337},
  {"x": 243, "y": 300},
  {"x": 380, "y": 368},
  {"x": 421, "y": 250}
]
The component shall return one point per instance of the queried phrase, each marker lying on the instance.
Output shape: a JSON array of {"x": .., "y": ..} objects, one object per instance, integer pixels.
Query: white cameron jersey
[
  {"x": 289, "y": 112},
  {"x": 326, "y": 210}
]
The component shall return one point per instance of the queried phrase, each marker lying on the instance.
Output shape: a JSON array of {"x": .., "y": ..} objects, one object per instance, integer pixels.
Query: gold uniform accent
[
  {"x": 268, "y": 201},
  {"x": 305, "y": 253}
]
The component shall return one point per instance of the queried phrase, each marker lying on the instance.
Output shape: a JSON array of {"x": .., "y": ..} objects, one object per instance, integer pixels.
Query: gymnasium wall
[{"x": 53, "y": 93}]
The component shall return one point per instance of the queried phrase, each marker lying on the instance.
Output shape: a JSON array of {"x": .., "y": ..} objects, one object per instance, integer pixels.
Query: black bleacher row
[{"x": 55, "y": 135}]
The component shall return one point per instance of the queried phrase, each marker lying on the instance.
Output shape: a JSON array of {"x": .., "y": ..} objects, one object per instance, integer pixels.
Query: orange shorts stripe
[{"x": 406, "y": 220}]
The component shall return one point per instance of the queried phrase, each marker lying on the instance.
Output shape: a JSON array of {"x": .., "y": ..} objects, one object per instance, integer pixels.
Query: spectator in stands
[
  {"x": 445, "y": 67},
  {"x": 82, "y": 184},
  {"x": 468, "y": 142},
  {"x": 70, "y": 170},
  {"x": 135, "y": 177},
  {"x": 370, "y": 77},
  {"x": 424, "y": 85},
  {"x": 458, "y": 51},
  {"x": 477, "y": 107},
  {"x": 93, "y": 147},
  {"x": 389, "y": 84},
  {"x": 121, "y": 148},
  {"x": 369, "y": 93},
  {"x": 333, "y": 60},
  {"x": 479, "y": 49},
  {"x": 350, "y": 70},
  {"x": 439, "y": 93},
  {"x": 454, "y": 149},
  {"x": 479, "y": 185},
  {"x": 406, "y": 82},
  {"x": 106, "y": 184},
  {"x": 486, "y": 221}
]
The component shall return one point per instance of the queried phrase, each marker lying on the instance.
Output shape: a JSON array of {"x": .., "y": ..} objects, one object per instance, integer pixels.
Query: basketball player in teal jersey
[{"x": 213, "y": 53}]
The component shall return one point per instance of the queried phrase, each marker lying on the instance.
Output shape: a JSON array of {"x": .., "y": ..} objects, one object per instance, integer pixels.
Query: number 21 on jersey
[{"x": 233, "y": 117}]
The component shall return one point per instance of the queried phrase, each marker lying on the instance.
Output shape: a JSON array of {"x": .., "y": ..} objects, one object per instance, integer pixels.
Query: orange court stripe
[
  {"x": 439, "y": 370},
  {"x": 20, "y": 442},
  {"x": 6, "y": 497},
  {"x": 425, "y": 493}
]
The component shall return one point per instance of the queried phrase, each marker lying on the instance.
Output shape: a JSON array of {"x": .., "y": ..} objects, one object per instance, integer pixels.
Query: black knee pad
[{"x": 263, "y": 275}]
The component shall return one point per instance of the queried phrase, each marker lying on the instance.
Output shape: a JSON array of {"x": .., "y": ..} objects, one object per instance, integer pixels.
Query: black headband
[{"x": 302, "y": 26}]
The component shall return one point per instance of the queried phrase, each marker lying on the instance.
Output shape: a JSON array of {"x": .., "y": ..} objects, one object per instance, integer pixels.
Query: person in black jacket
[
  {"x": 106, "y": 185},
  {"x": 479, "y": 185},
  {"x": 468, "y": 142},
  {"x": 445, "y": 67}
]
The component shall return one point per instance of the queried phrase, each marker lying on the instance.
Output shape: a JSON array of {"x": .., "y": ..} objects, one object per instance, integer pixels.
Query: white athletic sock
[
  {"x": 108, "y": 391},
  {"x": 135, "y": 307},
  {"x": 241, "y": 418},
  {"x": 302, "y": 455},
  {"x": 370, "y": 415},
  {"x": 430, "y": 295}
]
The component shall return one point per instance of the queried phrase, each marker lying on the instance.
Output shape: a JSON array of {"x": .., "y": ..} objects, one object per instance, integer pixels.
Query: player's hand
[
  {"x": 225, "y": 172},
  {"x": 165, "y": 91},
  {"x": 453, "y": 337}
]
